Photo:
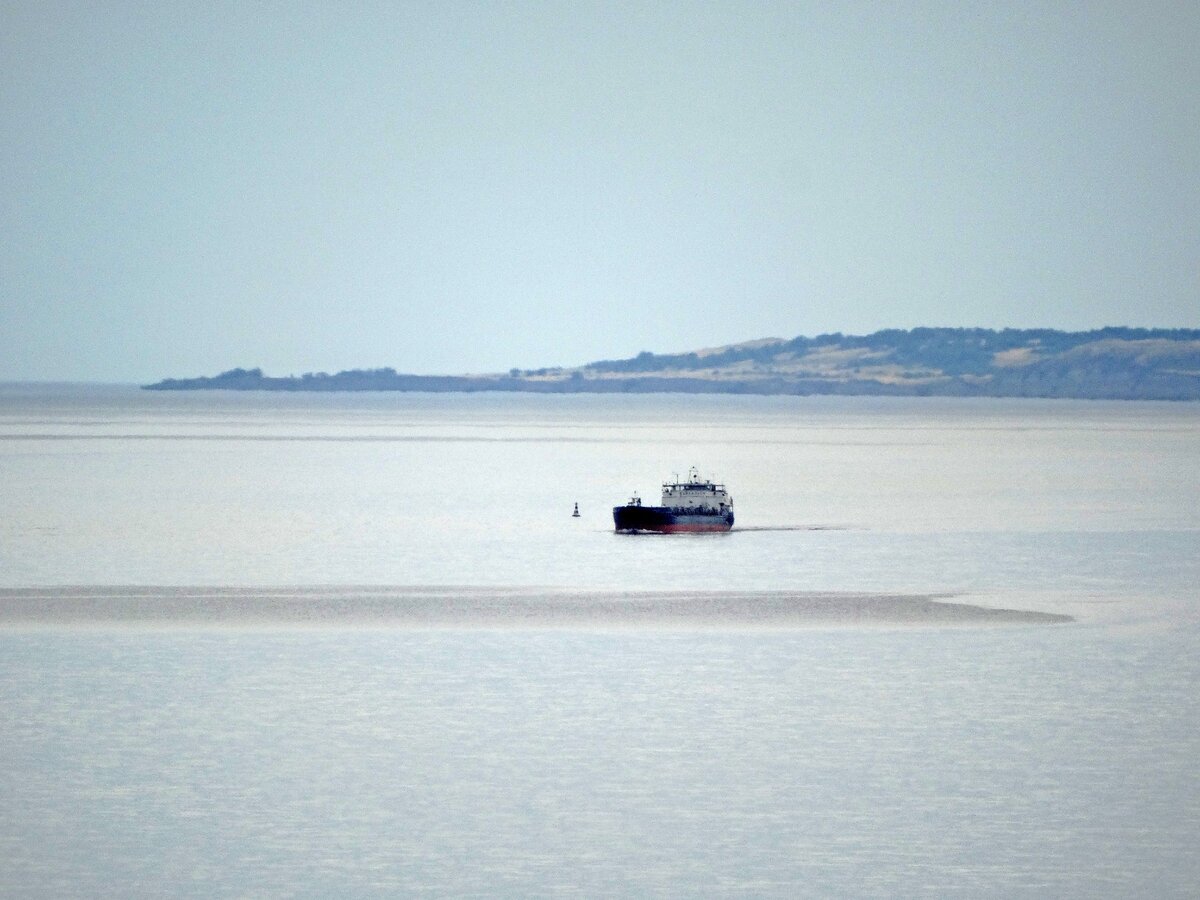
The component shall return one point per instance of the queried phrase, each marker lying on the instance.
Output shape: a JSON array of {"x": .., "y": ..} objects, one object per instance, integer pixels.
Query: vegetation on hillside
[{"x": 1107, "y": 363}]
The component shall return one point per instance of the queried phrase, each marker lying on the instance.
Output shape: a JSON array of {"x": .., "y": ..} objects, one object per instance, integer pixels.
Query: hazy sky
[{"x": 450, "y": 187}]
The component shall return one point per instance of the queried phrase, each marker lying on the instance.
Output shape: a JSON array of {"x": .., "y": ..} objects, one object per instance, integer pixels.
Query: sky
[{"x": 453, "y": 187}]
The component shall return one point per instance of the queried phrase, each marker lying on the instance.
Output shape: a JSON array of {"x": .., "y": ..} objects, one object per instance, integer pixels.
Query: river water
[{"x": 302, "y": 645}]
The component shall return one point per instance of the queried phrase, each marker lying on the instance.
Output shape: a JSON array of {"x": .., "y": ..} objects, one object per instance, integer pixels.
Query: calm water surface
[{"x": 1028, "y": 760}]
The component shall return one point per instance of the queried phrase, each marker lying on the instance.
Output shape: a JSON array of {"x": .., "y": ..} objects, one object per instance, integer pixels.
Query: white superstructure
[{"x": 696, "y": 495}]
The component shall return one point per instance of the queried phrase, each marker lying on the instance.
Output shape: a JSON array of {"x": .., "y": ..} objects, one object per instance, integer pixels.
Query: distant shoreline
[
  {"x": 1105, "y": 364},
  {"x": 443, "y": 384}
]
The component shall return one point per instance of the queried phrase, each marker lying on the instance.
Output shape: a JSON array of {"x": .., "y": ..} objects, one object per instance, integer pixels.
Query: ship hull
[{"x": 632, "y": 519}]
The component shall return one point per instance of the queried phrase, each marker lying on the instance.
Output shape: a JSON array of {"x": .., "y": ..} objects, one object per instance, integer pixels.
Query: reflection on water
[{"x": 1025, "y": 760}]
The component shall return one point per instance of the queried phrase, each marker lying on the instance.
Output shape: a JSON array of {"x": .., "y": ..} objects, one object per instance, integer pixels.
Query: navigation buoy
[{"x": 575, "y": 515}]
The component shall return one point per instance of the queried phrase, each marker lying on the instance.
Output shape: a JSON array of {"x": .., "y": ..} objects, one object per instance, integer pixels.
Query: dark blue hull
[{"x": 666, "y": 521}]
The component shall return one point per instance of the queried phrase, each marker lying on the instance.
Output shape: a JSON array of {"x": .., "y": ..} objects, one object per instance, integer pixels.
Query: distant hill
[{"x": 1108, "y": 363}]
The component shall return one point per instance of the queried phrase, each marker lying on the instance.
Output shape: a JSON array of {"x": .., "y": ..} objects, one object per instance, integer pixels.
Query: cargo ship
[{"x": 693, "y": 505}]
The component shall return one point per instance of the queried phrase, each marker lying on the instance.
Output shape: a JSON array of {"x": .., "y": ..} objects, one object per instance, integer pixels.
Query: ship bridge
[{"x": 696, "y": 494}]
